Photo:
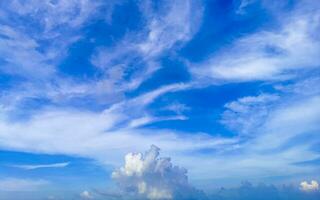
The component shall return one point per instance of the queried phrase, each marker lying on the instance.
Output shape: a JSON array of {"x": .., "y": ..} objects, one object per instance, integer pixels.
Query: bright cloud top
[
  {"x": 153, "y": 177},
  {"x": 312, "y": 186}
]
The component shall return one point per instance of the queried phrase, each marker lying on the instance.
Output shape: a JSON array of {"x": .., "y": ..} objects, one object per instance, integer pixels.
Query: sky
[{"x": 157, "y": 100}]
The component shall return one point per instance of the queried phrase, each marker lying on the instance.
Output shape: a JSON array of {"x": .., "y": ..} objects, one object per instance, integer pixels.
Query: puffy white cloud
[
  {"x": 86, "y": 195},
  {"x": 312, "y": 186},
  {"x": 150, "y": 176}
]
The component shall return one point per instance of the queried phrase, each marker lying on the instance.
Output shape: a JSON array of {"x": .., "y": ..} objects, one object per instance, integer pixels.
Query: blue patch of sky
[
  {"x": 78, "y": 171},
  {"x": 221, "y": 26}
]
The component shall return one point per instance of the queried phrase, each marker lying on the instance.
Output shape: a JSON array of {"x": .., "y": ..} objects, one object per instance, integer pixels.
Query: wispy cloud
[
  {"x": 100, "y": 132},
  {"x": 32, "y": 167},
  {"x": 33, "y": 53},
  {"x": 268, "y": 54},
  {"x": 247, "y": 113},
  {"x": 170, "y": 26}
]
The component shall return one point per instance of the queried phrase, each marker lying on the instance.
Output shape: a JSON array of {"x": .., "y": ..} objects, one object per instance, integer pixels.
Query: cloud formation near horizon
[
  {"x": 148, "y": 176},
  {"x": 312, "y": 186}
]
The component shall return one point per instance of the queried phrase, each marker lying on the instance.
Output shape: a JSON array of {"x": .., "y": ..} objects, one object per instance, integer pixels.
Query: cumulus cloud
[
  {"x": 152, "y": 177},
  {"x": 312, "y": 186}
]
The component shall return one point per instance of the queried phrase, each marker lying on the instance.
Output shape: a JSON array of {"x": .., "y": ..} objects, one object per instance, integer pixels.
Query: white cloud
[
  {"x": 86, "y": 195},
  {"x": 312, "y": 186},
  {"x": 26, "y": 52},
  {"x": 101, "y": 133},
  {"x": 246, "y": 114},
  {"x": 35, "y": 51},
  {"x": 270, "y": 54},
  {"x": 52, "y": 14},
  {"x": 32, "y": 167},
  {"x": 152, "y": 177},
  {"x": 178, "y": 23},
  {"x": 173, "y": 24},
  {"x": 274, "y": 132},
  {"x": 22, "y": 45},
  {"x": 176, "y": 107},
  {"x": 291, "y": 120},
  {"x": 102, "y": 136},
  {"x": 15, "y": 184},
  {"x": 20, "y": 55}
]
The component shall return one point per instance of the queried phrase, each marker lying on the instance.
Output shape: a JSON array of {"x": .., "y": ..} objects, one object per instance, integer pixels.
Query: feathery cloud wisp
[{"x": 32, "y": 167}]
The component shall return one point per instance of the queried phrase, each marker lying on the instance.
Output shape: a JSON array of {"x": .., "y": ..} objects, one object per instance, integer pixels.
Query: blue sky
[{"x": 228, "y": 89}]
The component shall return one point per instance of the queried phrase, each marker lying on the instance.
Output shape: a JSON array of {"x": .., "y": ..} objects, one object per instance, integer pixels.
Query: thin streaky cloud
[{"x": 33, "y": 167}]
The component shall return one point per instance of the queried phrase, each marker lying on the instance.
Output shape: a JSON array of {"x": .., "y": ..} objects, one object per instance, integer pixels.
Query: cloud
[
  {"x": 101, "y": 133},
  {"x": 153, "y": 177},
  {"x": 34, "y": 53},
  {"x": 247, "y": 113},
  {"x": 134, "y": 58},
  {"x": 262, "y": 191},
  {"x": 177, "y": 108},
  {"x": 178, "y": 23},
  {"x": 31, "y": 55},
  {"x": 50, "y": 15},
  {"x": 32, "y": 167},
  {"x": 86, "y": 195},
  {"x": 268, "y": 54},
  {"x": 15, "y": 184},
  {"x": 243, "y": 5},
  {"x": 312, "y": 186},
  {"x": 18, "y": 50}
]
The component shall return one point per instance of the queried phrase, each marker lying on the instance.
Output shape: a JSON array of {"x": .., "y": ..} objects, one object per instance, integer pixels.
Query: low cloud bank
[
  {"x": 148, "y": 176},
  {"x": 248, "y": 191}
]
